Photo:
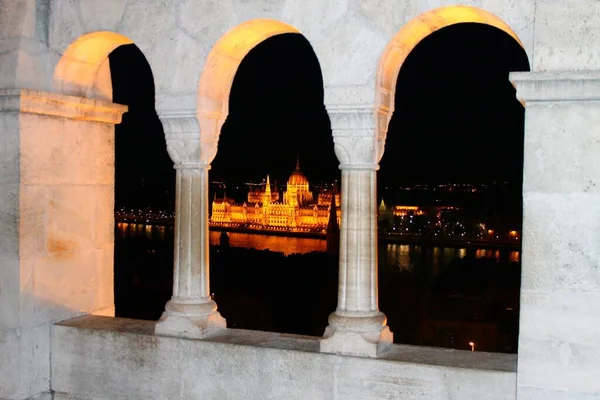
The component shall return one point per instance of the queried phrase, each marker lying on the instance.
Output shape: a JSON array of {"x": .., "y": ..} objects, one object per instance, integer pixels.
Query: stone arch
[
  {"x": 407, "y": 39},
  {"x": 84, "y": 61},
  {"x": 220, "y": 69}
]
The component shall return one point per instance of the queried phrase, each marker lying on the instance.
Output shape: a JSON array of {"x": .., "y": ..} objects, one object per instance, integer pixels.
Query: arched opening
[
  {"x": 450, "y": 183},
  {"x": 221, "y": 67},
  {"x": 409, "y": 37},
  {"x": 270, "y": 117},
  {"x": 108, "y": 66},
  {"x": 83, "y": 68},
  {"x": 144, "y": 192}
]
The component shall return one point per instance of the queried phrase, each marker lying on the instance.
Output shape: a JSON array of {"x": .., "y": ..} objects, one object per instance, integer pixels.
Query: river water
[{"x": 431, "y": 294}]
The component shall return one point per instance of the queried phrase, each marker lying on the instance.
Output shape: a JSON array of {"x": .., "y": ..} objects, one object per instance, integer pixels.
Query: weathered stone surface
[
  {"x": 221, "y": 12},
  {"x": 24, "y": 366},
  {"x": 348, "y": 53},
  {"x": 189, "y": 54},
  {"x": 389, "y": 14},
  {"x": 12, "y": 16},
  {"x": 313, "y": 17},
  {"x": 65, "y": 24},
  {"x": 258, "y": 365},
  {"x": 251, "y": 9},
  {"x": 101, "y": 16},
  {"x": 566, "y": 35},
  {"x": 8, "y": 63},
  {"x": 145, "y": 22}
]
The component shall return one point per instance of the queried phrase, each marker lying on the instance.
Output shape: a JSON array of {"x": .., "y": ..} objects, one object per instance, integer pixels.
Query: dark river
[{"x": 433, "y": 295}]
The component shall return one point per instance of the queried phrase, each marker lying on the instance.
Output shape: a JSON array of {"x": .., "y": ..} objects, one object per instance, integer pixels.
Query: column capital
[
  {"x": 556, "y": 86},
  {"x": 185, "y": 143},
  {"x": 356, "y": 142}
]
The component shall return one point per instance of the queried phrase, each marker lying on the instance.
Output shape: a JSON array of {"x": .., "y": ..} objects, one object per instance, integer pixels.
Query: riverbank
[
  {"x": 449, "y": 242},
  {"x": 382, "y": 237},
  {"x": 385, "y": 238}
]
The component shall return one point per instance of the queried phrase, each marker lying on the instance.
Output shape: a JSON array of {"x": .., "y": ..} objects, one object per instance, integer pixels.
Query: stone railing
[{"x": 112, "y": 358}]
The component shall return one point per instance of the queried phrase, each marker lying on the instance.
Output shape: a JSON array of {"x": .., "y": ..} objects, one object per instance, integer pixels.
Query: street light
[{"x": 472, "y": 346}]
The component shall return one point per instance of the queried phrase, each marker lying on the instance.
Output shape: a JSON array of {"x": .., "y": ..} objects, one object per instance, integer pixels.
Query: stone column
[
  {"x": 357, "y": 327},
  {"x": 559, "y": 344},
  {"x": 56, "y": 226},
  {"x": 191, "y": 312}
]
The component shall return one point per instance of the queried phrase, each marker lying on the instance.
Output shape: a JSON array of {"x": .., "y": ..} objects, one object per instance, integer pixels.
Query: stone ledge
[
  {"x": 102, "y": 358},
  {"x": 59, "y": 105},
  {"x": 533, "y": 87}
]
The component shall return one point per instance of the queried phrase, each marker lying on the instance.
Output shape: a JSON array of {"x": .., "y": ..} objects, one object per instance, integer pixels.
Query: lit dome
[{"x": 297, "y": 177}]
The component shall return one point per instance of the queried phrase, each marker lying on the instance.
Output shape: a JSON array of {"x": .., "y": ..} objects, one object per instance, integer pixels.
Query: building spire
[
  {"x": 333, "y": 229},
  {"x": 267, "y": 192},
  {"x": 298, "y": 161}
]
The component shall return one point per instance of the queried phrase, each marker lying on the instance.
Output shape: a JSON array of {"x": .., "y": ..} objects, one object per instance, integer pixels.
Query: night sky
[
  {"x": 276, "y": 111},
  {"x": 140, "y": 147},
  {"x": 457, "y": 118}
]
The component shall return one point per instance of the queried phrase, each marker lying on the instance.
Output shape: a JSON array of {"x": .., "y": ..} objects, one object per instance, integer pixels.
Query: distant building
[{"x": 299, "y": 210}]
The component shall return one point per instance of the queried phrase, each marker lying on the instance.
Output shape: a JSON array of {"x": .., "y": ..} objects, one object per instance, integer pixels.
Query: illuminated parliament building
[{"x": 296, "y": 210}]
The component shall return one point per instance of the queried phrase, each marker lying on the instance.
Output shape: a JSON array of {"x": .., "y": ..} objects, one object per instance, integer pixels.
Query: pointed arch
[
  {"x": 221, "y": 66},
  {"x": 408, "y": 38},
  {"x": 78, "y": 69}
]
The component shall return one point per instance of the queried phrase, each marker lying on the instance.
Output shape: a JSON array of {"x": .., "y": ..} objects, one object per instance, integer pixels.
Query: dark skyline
[{"x": 456, "y": 118}]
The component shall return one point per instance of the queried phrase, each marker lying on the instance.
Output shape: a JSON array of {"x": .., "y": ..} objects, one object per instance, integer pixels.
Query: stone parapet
[{"x": 112, "y": 358}]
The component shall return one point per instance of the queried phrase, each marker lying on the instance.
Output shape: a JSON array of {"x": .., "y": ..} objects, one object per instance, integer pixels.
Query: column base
[
  {"x": 357, "y": 334},
  {"x": 193, "y": 320}
]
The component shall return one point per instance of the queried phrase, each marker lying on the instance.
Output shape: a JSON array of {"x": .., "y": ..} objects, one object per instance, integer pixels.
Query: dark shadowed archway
[
  {"x": 275, "y": 114},
  {"x": 454, "y": 148},
  {"x": 144, "y": 189}
]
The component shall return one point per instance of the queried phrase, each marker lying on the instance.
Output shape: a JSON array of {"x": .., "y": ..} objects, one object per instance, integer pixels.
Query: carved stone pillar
[
  {"x": 357, "y": 326},
  {"x": 191, "y": 312}
]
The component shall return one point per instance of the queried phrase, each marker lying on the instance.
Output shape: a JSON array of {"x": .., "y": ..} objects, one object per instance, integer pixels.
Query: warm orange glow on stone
[
  {"x": 222, "y": 64},
  {"x": 408, "y": 38},
  {"x": 77, "y": 70}
]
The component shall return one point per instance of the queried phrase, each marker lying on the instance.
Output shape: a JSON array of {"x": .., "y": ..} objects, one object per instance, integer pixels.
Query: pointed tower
[
  {"x": 298, "y": 161},
  {"x": 333, "y": 229},
  {"x": 267, "y": 195}
]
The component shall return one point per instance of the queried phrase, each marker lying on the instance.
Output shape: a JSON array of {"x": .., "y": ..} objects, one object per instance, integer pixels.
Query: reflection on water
[
  {"x": 153, "y": 232},
  {"x": 402, "y": 256},
  {"x": 280, "y": 244},
  {"x": 405, "y": 257}
]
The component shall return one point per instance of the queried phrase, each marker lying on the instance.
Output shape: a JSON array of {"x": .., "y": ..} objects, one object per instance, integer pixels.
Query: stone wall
[
  {"x": 56, "y": 218},
  {"x": 112, "y": 358},
  {"x": 56, "y": 202},
  {"x": 559, "y": 347},
  {"x": 177, "y": 36}
]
